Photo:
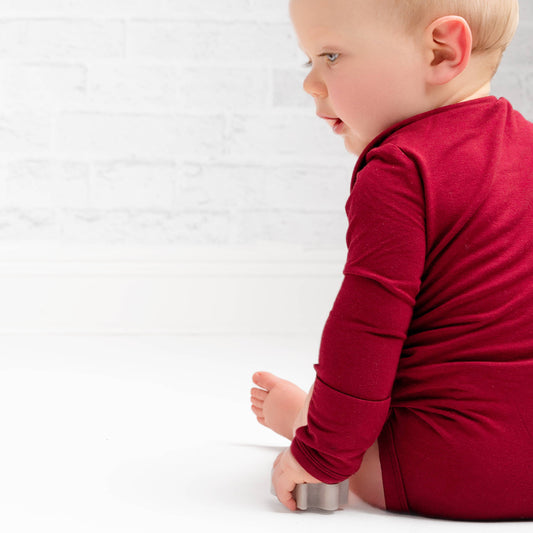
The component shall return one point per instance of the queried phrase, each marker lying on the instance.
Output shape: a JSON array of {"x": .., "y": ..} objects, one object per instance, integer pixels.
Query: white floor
[{"x": 154, "y": 434}]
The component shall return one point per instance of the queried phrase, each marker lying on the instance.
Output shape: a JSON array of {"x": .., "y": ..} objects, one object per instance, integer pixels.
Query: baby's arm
[{"x": 365, "y": 332}]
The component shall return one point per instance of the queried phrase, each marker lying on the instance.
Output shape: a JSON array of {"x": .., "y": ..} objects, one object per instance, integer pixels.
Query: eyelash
[{"x": 327, "y": 55}]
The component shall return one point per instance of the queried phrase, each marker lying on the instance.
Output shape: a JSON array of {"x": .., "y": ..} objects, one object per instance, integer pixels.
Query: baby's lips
[
  {"x": 332, "y": 121},
  {"x": 335, "y": 123}
]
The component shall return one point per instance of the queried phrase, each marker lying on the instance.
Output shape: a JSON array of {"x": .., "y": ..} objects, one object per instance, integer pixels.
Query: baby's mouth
[
  {"x": 338, "y": 126},
  {"x": 335, "y": 122},
  {"x": 330, "y": 120}
]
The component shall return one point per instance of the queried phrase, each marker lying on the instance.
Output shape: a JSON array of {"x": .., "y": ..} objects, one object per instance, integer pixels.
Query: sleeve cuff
[{"x": 339, "y": 431}]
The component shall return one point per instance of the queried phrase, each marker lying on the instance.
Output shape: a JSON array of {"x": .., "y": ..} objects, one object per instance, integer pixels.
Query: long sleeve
[{"x": 364, "y": 334}]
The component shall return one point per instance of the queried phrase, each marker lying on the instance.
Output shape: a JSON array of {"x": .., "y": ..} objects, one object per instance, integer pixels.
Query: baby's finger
[
  {"x": 286, "y": 498},
  {"x": 283, "y": 487}
]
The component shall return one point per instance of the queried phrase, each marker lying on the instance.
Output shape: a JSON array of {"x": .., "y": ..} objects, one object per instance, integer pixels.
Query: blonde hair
[{"x": 493, "y": 22}]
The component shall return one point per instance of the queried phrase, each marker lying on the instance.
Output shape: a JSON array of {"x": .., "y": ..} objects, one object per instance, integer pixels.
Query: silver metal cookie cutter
[{"x": 320, "y": 495}]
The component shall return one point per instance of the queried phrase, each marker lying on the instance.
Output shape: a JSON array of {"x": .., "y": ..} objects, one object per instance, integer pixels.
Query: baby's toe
[
  {"x": 265, "y": 380},
  {"x": 259, "y": 394},
  {"x": 258, "y": 412},
  {"x": 256, "y": 402}
]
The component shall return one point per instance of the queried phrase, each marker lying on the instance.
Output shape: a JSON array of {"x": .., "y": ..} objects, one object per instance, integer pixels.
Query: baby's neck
[
  {"x": 462, "y": 94},
  {"x": 480, "y": 93}
]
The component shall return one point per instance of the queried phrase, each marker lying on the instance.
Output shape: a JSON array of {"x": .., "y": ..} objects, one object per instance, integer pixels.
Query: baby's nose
[{"x": 314, "y": 86}]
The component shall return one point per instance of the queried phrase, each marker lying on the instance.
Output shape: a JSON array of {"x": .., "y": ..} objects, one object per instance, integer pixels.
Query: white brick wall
[{"x": 173, "y": 122}]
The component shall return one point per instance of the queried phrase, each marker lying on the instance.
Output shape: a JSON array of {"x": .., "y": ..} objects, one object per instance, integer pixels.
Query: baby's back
[
  {"x": 462, "y": 404},
  {"x": 476, "y": 298}
]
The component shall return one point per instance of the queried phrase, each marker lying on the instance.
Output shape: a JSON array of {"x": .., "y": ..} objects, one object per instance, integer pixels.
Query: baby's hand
[{"x": 286, "y": 474}]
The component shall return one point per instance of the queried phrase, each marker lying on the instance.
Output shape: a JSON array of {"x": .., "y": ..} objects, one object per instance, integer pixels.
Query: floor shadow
[{"x": 274, "y": 449}]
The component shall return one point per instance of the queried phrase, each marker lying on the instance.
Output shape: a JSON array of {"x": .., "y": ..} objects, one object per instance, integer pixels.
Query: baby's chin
[{"x": 354, "y": 145}]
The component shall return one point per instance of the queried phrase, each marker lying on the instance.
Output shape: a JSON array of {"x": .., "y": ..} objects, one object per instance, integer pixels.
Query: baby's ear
[{"x": 449, "y": 47}]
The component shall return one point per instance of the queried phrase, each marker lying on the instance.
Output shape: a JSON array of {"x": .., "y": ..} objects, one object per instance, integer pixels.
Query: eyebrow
[
  {"x": 327, "y": 50},
  {"x": 323, "y": 49}
]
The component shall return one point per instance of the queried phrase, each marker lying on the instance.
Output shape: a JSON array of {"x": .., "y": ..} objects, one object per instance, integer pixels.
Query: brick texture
[{"x": 173, "y": 122}]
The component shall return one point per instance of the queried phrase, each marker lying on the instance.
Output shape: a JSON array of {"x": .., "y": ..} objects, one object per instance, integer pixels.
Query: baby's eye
[{"x": 331, "y": 57}]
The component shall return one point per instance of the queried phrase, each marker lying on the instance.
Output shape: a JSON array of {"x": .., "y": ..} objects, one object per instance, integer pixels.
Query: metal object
[{"x": 320, "y": 496}]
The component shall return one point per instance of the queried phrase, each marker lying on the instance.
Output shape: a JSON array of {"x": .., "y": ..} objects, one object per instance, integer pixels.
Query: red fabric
[{"x": 429, "y": 344}]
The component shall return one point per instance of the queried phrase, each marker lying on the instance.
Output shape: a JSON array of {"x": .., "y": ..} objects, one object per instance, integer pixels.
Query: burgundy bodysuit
[{"x": 429, "y": 345}]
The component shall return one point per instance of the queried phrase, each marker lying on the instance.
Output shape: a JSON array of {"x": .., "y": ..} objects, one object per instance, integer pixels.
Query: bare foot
[{"x": 278, "y": 404}]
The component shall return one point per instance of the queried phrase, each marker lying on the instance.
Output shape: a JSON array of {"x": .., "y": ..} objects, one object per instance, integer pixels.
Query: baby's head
[{"x": 376, "y": 62}]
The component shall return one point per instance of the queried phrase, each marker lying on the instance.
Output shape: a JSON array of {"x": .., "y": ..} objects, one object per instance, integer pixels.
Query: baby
[{"x": 423, "y": 395}]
